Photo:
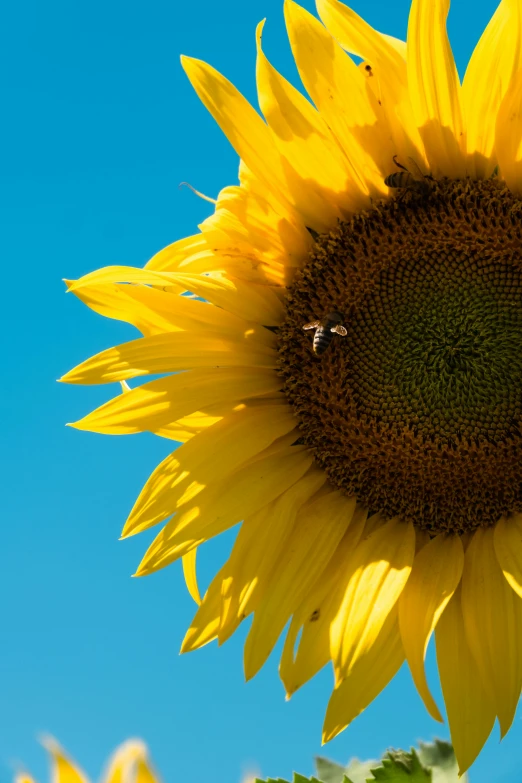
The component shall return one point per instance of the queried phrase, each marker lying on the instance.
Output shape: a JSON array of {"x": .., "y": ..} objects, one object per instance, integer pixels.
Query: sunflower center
[{"x": 418, "y": 408}]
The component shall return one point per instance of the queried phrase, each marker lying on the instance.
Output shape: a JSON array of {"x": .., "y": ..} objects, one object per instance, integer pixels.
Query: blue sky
[{"x": 101, "y": 128}]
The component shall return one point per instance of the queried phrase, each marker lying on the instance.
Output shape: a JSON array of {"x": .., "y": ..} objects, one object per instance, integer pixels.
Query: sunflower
[
  {"x": 128, "y": 764},
  {"x": 372, "y": 459}
]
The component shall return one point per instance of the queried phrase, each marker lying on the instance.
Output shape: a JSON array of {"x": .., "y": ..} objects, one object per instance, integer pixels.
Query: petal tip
[
  {"x": 49, "y": 743},
  {"x": 185, "y": 646},
  {"x": 259, "y": 31},
  {"x": 188, "y": 63},
  {"x": 128, "y": 531}
]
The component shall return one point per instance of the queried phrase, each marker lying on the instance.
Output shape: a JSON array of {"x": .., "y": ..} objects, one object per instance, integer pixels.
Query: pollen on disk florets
[{"x": 418, "y": 409}]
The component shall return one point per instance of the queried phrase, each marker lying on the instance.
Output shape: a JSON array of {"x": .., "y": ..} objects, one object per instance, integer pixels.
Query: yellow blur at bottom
[{"x": 129, "y": 764}]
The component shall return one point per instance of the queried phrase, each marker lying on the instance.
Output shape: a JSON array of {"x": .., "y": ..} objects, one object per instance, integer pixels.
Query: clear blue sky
[{"x": 101, "y": 126}]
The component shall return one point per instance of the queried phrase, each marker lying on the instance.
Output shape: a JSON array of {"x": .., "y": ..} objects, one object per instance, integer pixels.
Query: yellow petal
[
  {"x": 422, "y": 539},
  {"x": 358, "y": 37},
  {"x": 256, "y": 551},
  {"x": 123, "y": 762},
  {"x": 205, "y": 624},
  {"x": 245, "y": 224},
  {"x": 396, "y": 43},
  {"x": 470, "y": 714},
  {"x": 63, "y": 768},
  {"x": 239, "y": 266},
  {"x": 435, "y": 87},
  {"x": 241, "y": 124},
  {"x": 252, "y": 302},
  {"x": 313, "y": 652},
  {"x": 124, "y": 274},
  {"x": 249, "y": 489},
  {"x": 387, "y": 59},
  {"x": 185, "y": 428},
  {"x": 376, "y": 574},
  {"x": 314, "y": 615},
  {"x": 508, "y": 135},
  {"x": 169, "y": 258},
  {"x": 158, "y": 403},
  {"x": 191, "y": 315},
  {"x": 189, "y": 572},
  {"x": 435, "y": 575},
  {"x": 23, "y": 777},
  {"x": 178, "y": 434},
  {"x": 371, "y": 673},
  {"x": 204, "y": 260},
  {"x": 508, "y": 549},
  {"x": 170, "y": 353},
  {"x": 493, "y": 623},
  {"x": 112, "y": 301},
  {"x": 144, "y": 772},
  {"x": 490, "y": 72},
  {"x": 200, "y": 420},
  {"x": 338, "y": 89},
  {"x": 205, "y": 253},
  {"x": 208, "y": 460},
  {"x": 319, "y": 527},
  {"x": 321, "y": 175},
  {"x": 155, "y": 311}
]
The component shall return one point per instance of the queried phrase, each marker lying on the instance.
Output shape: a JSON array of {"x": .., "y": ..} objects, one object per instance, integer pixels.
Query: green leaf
[
  {"x": 271, "y": 780},
  {"x": 433, "y": 763},
  {"x": 329, "y": 771},
  {"x": 296, "y": 779},
  {"x": 440, "y": 756},
  {"x": 355, "y": 772},
  {"x": 358, "y": 771},
  {"x": 401, "y": 767}
]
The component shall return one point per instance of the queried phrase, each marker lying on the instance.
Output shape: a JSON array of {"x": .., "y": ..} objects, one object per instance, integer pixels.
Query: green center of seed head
[{"x": 444, "y": 336}]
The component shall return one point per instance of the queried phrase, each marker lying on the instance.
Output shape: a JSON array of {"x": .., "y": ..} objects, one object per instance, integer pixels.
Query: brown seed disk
[{"x": 417, "y": 410}]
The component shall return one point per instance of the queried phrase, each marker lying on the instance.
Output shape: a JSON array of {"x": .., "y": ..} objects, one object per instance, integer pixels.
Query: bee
[
  {"x": 325, "y": 330},
  {"x": 409, "y": 180}
]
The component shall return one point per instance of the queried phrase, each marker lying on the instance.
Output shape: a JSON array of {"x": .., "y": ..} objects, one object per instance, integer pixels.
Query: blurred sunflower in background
[
  {"x": 128, "y": 764},
  {"x": 372, "y": 457}
]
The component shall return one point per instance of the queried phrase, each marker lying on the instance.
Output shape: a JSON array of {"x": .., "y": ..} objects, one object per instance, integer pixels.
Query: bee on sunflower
[{"x": 377, "y": 483}]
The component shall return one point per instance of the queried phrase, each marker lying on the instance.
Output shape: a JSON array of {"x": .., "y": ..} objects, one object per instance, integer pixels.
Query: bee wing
[
  {"x": 312, "y": 325},
  {"x": 415, "y": 169},
  {"x": 339, "y": 329}
]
